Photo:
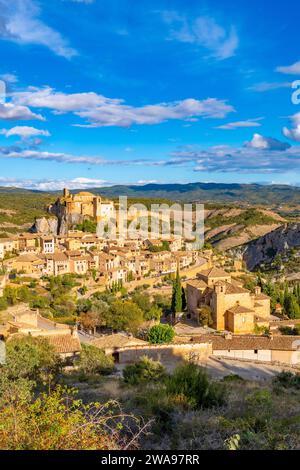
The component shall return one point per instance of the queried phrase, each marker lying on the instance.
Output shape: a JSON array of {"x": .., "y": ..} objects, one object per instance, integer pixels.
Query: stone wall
[{"x": 165, "y": 353}]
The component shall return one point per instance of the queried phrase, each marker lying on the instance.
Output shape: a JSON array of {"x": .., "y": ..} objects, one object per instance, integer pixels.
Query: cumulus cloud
[
  {"x": 100, "y": 111},
  {"x": 240, "y": 124},
  {"x": 20, "y": 22},
  {"x": 52, "y": 184},
  {"x": 266, "y": 143},
  {"x": 294, "y": 133},
  {"x": 293, "y": 69},
  {"x": 13, "y": 112},
  {"x": 24, "y": 132},
  {"x": 203, "y": 31},
  {"x": 261, "y": 155}
]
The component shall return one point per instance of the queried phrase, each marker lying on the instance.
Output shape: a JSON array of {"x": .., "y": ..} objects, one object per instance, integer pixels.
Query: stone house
[
  {"x": 27, "y": 321},
  {"x": 47, "y": 244},
  {"x": 56, "y": 264},
  {"x": 233, "y": 308},
  {"x": 26, "y": 263},
  {"x": 8, "y": 245},
  {"x": 278, "y": 349}
]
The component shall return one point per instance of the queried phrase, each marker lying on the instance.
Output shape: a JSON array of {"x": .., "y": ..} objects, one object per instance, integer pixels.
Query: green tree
[
  {"x": 93, "y": 360},
  {"x": 125, "y": 315},
  {"x": 205, "y": 316},
  {"x": 31, "y": 358},
  {"x": 142, "y": 300},
  {"x": 161, "y": 334},
  {"x": 176, "y": 304},
  {"x": 155, "y": 313}
]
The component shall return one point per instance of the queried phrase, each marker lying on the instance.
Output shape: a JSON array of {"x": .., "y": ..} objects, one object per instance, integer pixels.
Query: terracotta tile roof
[
  {"x": 197, "y": 283},
  {"x": 249, "y": 342},
  {"x": 117, "y": 341},
  {"x": 65, "y": 343},
  {"x": 28, "y": 258},
  {"x": 214, "y": 272},
  {"x": 59, "y": 256},
  {"x": 239, "y": 309},
  {"x": 262, "y": 297},
  {"x": 235, "y": 289}
]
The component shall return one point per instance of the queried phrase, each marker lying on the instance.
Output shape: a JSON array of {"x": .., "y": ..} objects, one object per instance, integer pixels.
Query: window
[{"x": 255, "y": 351}]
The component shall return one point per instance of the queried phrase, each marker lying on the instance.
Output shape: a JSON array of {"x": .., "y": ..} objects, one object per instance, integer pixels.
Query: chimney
[{"x": 257, "y": 290}]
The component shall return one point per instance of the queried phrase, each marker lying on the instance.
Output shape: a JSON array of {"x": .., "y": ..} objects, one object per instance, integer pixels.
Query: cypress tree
[{"x": 177, "y": 295}]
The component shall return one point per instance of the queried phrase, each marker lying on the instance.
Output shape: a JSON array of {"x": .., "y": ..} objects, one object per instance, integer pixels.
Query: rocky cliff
[
  {"x": 264, "y": 249},
  {"x": 64, "y": 219},
  {"x": 45, "y": 226}
]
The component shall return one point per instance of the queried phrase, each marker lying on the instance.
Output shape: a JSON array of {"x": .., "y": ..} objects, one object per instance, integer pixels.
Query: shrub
[
  {"x": 59, "y": 420},
  {"x": 194, "y": 383},
  {"x": 31, "y": 358},
  {"x": 3, "y": 303},
  {"x": 145, "y": 370},
  {"x": 233, "y": 378},
  {"x": 287, "y": 380},
  {"x": 161, "y": 334},
  {"x": 94, "y": 361}
]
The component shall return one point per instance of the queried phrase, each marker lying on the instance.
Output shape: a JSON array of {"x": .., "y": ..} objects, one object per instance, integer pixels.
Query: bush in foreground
[
  {"x": 59, "y": 421},
  {"x": 193, "y": 383},
  {"x": 94, "y": 361},
  {"x": 145, "y": 370},
  {"x": 287, "y": 380}
]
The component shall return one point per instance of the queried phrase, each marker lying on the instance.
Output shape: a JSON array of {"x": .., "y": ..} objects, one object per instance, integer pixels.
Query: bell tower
[{"x": 66, "y": 193}]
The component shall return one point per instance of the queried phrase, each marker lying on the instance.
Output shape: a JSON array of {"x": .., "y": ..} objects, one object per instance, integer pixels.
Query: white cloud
[
  {"x": 13, "y": 112},
  {"x": 52, "y": 156},
  {"x": 294, "y": 133},
  {"x": 203, "y": 31},
  {"x": 263, "y": 155},
  {"x": 14, "y": 152},
  {"x": 24, "y": 131},
  {"x": 269, "y": 86},
  {"x": 53, "y": 185},
  {"x": 99, "y": 111},
  {"x": 266, "y": 143},
  {"x": 240, "y": 124},
  {"x": 9, "y": 78},
  {"x": 87, "y": 2},
  {"x": 20, "y": 23},
  {"x": 260, "y": 155},
  {"x": 293, "y": 69}
]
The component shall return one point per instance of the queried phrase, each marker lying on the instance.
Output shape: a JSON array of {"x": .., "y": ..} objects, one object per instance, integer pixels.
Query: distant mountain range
[
  {"x": 200, "y": 192},
  {"x": 209, "y": 192}
]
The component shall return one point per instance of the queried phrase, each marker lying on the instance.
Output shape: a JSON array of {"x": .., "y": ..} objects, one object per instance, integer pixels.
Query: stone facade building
[{"x": 233, "y": 308}]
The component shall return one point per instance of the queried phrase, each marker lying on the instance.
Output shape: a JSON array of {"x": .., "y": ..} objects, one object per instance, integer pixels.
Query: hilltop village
[{"x": 219, "y": 314}]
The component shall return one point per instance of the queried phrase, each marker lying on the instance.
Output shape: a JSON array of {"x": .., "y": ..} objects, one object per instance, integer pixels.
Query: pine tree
[{"x": 177, "y": 295}]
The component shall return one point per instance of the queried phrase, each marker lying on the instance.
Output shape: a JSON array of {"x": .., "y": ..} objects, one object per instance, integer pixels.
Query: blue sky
[{"x": 102, "y": 92}]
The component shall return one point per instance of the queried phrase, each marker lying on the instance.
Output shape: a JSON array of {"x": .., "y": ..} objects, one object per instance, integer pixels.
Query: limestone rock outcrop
[
  {"x": 47, "y": 226},
  {"x": 264, "y": 249}
]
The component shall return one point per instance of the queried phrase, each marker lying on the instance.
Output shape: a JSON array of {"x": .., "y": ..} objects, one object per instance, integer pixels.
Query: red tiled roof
[
  {"x": 65, "y": 343},
  {"x": 249, "y": 342}
]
